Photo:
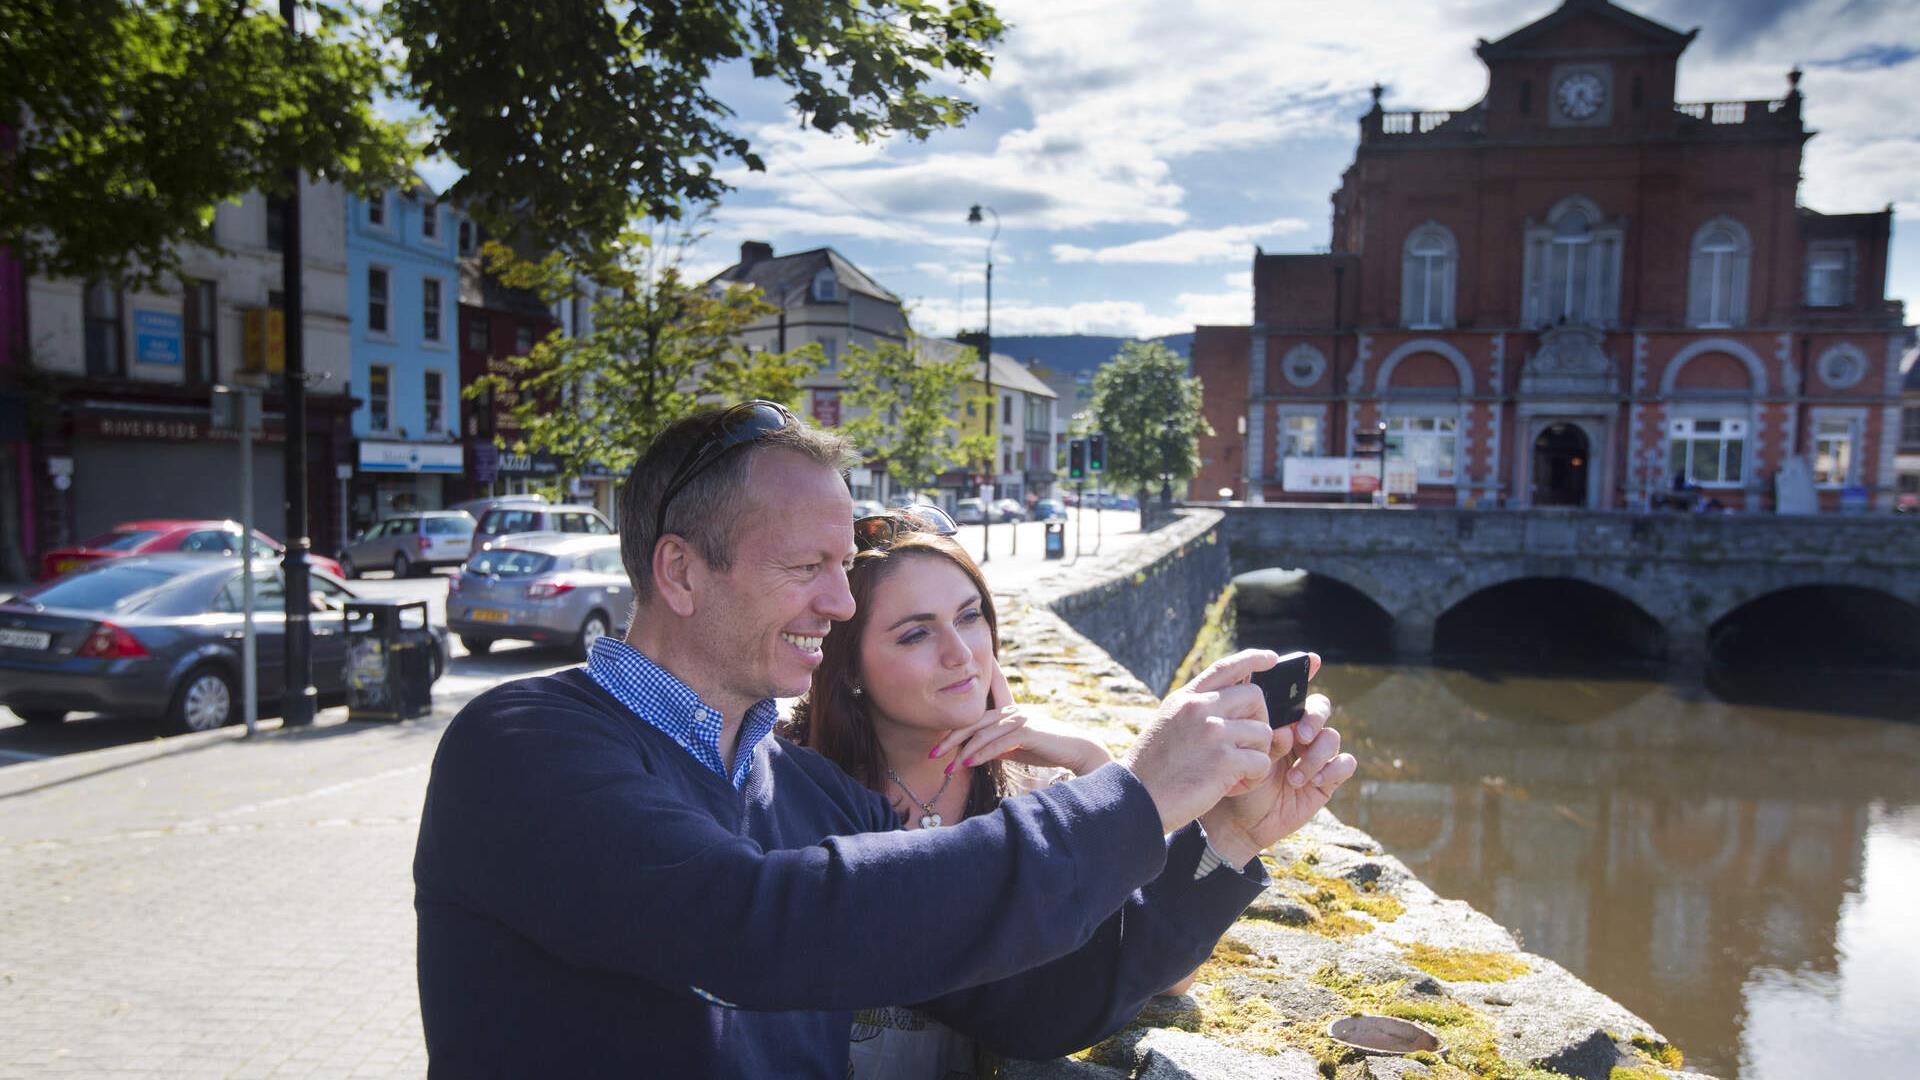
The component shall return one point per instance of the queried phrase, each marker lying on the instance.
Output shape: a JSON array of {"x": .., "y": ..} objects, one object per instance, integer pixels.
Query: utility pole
[
  {"x": 297, "y": 702},
  {"x": 986, "y": 362}
]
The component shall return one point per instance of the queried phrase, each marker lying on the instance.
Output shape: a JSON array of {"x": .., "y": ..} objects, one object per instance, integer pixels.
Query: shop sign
[
  {"x": 1316, "y": 476},
  {"x": 156, "y": 337},
  {"x": 530, "y": 464},
  {"x": 1402, "y": 478},
  {"x": 826, "y": 408},
  {"x": 163, "y": 427},
  {"x": 410, "y": 457},
  {"x": 486, "y": 462}
]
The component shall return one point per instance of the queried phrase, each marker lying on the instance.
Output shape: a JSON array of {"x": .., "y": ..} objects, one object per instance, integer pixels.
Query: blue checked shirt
[{"x": 665, "y": 702}]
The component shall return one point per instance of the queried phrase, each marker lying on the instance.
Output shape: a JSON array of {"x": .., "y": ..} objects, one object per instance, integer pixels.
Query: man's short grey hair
[{"x": 707, "y": 510}]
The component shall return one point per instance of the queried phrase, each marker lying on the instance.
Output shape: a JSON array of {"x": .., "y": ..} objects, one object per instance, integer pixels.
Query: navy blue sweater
[{"x": 594, "y": 902}]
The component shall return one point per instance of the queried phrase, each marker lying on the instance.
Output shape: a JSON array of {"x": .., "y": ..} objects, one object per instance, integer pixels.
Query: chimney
[{"x": 753, "y": 251}]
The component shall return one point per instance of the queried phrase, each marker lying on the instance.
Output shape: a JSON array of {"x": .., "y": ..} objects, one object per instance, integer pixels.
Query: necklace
[{"x": 930, "y": 819}]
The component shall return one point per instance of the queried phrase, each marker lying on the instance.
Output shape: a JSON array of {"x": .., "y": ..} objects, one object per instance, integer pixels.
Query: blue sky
[{"x": 1137, "y": 151}]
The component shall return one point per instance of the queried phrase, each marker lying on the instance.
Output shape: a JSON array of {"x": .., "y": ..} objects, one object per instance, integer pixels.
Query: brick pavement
[{"x": 211, "y": 906}]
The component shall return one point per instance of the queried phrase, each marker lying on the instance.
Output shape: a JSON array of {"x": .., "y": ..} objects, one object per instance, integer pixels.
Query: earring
[{"x": 857, "y": 691}]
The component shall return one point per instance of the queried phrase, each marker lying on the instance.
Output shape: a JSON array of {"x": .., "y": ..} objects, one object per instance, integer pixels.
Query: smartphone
[{"x": 1285, "y": 685}]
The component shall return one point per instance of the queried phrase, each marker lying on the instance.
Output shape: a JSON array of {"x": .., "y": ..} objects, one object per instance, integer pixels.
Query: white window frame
[
  {"x": 384, "y": 299},
  {"x": 1300, "y": 435},
  {"x": 429, "y": 220},
  {"x": 1426, "y": 438},
  {"x": 433, "y": 318},
  {"x": 377, "y": 213},
  {"x": 1835, "y": 258},
  {"x": 1428, "y": 268},
  {"x": 435, "y": 398},
  {"x": 1572, "y": 266},
  {"x": 464, "y": 236},
  {"x": 1836, "y": 433},
  {"x": 1730, "y": 431},
  {"x": 1718, "y": 269},
  {"x": 380, "y": 397},
  {"x": 826, "y": 287}
]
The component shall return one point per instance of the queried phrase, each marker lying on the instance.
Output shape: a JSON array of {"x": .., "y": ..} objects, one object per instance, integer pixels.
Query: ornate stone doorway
[{"x": 1560, "y": 461}]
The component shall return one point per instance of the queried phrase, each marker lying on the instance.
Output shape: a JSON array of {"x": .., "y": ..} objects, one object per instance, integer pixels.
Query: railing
[
  {"x": 1409, "y": 123},
  {"x": 1729, "y": 113}
]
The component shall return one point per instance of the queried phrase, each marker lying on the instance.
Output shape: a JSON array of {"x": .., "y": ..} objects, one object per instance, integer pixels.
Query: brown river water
[{"x": 1745, "y": 876}]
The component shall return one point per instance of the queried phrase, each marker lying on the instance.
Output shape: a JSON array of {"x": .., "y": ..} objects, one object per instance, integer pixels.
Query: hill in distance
[{"x": 1078, "y": 352}]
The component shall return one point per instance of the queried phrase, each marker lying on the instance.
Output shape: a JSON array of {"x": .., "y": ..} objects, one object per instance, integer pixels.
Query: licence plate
[
  {"x": 25, "y": 639},
  {"x": 65, "y": 565},
  {"x": 481, "y": 614}
]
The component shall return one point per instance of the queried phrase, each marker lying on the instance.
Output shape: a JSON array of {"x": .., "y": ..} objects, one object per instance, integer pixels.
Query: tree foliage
[
  {"x": 657, "y": 343},
  {"x": 572, "y": 116},
  {"x": 134, "y": 119},
  {"x": 907, "y": 398},
  {"x": 1134, "y": 395}
]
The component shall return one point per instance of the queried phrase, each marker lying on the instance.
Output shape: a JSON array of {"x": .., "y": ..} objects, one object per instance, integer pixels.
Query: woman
[{"x": 909, "y": 699}]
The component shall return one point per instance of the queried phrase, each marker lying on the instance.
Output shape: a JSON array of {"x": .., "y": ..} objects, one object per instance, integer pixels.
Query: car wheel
[
  {"x": 591, "y": 631},
  {"x": 478, "y": 646},
  {"x": 402, "y": 566},
  {"x": 45, "y": 717},
  {"x": 204, "y": 702},
  {"x": 347, "y": 569}
]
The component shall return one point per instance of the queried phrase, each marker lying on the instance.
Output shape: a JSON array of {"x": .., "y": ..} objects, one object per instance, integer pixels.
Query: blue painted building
[{"x": 403, "y": 286}]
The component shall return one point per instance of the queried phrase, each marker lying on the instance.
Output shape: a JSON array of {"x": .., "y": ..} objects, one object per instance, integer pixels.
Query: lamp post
[
  {"x": 298, "y": 698},
  {"x": 986, "y": 362}
]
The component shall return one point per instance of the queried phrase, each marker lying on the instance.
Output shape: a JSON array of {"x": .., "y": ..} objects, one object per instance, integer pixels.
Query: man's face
[{"x": 760, "y": 622}]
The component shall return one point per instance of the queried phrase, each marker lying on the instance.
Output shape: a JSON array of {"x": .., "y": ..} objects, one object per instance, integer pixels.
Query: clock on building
[{"x": 1581, "y": 95}]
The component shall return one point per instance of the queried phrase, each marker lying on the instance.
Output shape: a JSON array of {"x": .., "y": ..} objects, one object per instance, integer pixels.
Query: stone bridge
[{"x": 1685, "y": 571}]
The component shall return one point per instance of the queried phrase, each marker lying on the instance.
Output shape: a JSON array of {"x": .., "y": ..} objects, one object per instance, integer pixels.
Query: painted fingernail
[
  {"x": 933, "y": 753},
  {"x": 968, "y": 763},
  {"x": 949, "y": 770}
]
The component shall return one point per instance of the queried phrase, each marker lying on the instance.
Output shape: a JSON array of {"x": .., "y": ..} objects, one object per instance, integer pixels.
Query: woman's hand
[{"x": 1017, "y": 734}]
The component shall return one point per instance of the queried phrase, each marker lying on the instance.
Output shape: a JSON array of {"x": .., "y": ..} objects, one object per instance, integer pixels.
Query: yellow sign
[{"x": 264, "y": 345}]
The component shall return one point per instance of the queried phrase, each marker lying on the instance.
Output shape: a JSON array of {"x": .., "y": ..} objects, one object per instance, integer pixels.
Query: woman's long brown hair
[{"x": 835, "y": 721}]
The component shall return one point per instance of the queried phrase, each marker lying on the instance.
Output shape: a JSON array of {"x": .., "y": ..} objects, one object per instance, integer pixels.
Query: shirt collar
[{"x": 671, "y": 707}]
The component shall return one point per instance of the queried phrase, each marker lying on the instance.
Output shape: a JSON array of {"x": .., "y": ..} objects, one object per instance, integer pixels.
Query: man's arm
[{"x": 1165, "y": 930}]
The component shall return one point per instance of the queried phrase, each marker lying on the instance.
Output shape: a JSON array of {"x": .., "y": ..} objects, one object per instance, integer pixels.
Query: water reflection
[{"x": 1728, "y": 871}]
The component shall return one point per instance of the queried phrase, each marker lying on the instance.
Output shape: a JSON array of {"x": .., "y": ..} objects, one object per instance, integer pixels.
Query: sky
[{"x": 1137, "y": 151}]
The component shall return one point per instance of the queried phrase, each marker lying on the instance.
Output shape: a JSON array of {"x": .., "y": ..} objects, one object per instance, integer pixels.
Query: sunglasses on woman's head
[
  {"x": 741, "y": 424},
  {"x": 879, "y": 530}
]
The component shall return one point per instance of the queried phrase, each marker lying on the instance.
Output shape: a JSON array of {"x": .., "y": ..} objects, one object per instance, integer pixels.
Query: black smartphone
[{"x": 1285, "y": 685}]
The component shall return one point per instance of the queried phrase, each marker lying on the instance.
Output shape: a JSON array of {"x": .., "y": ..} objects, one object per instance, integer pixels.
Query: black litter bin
[
  {"x": 389, "y": 660},
  {"x": 1056, "y": 540}
]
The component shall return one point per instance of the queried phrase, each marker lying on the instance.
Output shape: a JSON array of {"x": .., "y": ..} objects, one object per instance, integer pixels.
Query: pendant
[{"x": 930, "y": 821}]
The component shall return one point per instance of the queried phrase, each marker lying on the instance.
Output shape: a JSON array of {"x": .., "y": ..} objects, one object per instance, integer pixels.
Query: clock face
[{"x": 1581, "y": 95}]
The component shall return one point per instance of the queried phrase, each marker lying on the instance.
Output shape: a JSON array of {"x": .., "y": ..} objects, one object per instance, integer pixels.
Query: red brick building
[{"x": 1576, "y": 291}]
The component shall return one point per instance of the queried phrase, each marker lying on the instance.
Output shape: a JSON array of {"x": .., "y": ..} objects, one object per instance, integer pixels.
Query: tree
[
  {"x": 1134, "y": 396},
  {"x": 134, "y": 119},
  {"x": 572, "y": 116},
  {"x": 907, "y": 397},
  {"x": 657, "y": 341}
]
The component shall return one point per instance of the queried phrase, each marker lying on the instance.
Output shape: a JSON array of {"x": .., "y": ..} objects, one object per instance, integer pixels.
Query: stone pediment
[{"x": 1569, "y": 361}]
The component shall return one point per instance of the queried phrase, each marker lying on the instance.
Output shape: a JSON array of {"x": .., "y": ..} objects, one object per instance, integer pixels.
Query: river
[{"x": 1744, "y": 876}]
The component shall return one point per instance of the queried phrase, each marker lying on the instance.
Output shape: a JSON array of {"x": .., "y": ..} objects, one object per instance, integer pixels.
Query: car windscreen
[
  {"x": 502, "y": 522},
  {"x": 510, "y": 562},
  {"x": 110, "y": 588},
  {"x": 447, "y": 526},
  {"x": 119, "y": 541}
]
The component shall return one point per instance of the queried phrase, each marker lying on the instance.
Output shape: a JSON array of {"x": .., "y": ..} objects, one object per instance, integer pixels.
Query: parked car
[
  {"x": 410, "y": 542},
  {"x": 160, "y": 635},
  {"x": 523, "y": 518},
  {"x": 866, "y": 508},
  {"x": 193, "y": 536},
  {"x": 969, "y": 512},
  {"x": 543, "y": 587},
  {"x": 479, "y": 507},
  {"x": 1049, "y": 510}
]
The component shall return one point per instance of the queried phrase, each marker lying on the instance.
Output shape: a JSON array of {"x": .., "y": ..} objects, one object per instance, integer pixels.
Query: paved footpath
[{"x": 215, "y": 906}]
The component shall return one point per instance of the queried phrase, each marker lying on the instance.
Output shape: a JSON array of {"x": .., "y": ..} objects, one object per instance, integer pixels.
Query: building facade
[
  {"x": 403, "y": 281},
  {"x": 123, "y": 380},
  {"x": 1907, "y": 460},
  {"x": 1576, "y": 291},
  {"x": 497, "y": 322},
  {"x": 1026, "y": 426}
]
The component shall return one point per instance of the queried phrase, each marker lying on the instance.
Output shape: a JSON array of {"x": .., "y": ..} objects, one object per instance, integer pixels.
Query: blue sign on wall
[{"x": 156, "y": 337}]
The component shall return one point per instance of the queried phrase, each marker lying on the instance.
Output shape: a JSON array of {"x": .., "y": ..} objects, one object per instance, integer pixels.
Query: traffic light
[
  {"x": 1097, "y": 451},
  {"x": 1077, "y": 459}
]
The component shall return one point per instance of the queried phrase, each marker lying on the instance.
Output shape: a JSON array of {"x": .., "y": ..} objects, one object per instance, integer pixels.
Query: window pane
[
  {"x": 1706, "y": 461},
  {"x": 1736, "y": 451},
  {"x": 1677, "y": 459}
]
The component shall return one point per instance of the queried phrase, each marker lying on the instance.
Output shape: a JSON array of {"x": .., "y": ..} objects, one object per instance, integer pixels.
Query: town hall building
[{"x": 1576, "y": 292}]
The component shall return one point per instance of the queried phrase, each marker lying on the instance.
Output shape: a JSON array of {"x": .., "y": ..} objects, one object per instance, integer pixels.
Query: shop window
[
  {"x": 1427, "y": 268},
  {"x": 106, "y": 338},
  {"x": 1707, "y": 451},
  {"x": 1430, "y": 442},
  {"x": 379, "y": 397},
  {"x": 1303, "y": 436},
  {"x": 434, "y": 392},
  {"x": 1833, "y": 453},
  {"x": 1717, "y": 275},
  {"x": 430, "y": 308},
  {"x": 377, "y": 299}
]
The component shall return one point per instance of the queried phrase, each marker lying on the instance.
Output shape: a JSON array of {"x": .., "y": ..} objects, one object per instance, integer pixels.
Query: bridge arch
[
  {"x": 1550, "y": 614},
  {"x": 1826, "y": 619}
]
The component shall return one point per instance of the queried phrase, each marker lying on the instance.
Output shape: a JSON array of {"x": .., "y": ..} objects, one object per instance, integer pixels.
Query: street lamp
[
  {"x": 1172, "y": 423},
  {"x": 986, "y": 361}
]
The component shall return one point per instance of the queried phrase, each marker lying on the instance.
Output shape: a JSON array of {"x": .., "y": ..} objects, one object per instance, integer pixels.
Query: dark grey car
[
  {"x": 160, "y": 635},
  {"x": 554, "y": 588}
]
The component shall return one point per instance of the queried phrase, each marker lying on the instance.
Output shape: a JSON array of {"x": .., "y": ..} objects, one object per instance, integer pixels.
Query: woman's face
[{"x": 926, "y": 648}]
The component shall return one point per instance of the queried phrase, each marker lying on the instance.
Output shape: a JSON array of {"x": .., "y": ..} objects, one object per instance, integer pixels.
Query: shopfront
[
  {"x": 404, "y": 477},
  {"x": 128, "y": 462}
]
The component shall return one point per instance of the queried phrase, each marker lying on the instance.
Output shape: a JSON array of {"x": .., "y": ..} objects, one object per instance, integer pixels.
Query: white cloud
[{"x": 1228, "y": 244}]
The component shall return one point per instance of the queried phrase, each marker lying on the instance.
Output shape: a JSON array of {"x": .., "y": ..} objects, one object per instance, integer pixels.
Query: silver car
[
  {"x": 553, "y": 588},
  {"x": 411, "y": 542}
]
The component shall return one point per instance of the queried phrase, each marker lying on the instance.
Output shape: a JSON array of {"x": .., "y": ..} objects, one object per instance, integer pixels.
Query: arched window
[
  {"x": 1573, "y": 267},
  {"x": 1717, "y": 275},
  {"x": 1426, "y": 278},
  {"x": 826, "y": 287}
]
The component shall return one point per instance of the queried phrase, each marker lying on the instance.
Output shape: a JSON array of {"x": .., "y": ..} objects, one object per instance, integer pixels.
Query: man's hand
[
  {"x": 1210, "y": 738},
  {"x": 1308, "y": 768}
]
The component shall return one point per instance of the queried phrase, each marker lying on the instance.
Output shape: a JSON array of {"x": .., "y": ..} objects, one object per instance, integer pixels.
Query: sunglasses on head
[
  {"x": 879, "y": 530},
  {"x": 737, "y": 426}
]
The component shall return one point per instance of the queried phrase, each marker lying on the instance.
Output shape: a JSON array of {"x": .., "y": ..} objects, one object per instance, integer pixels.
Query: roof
[
  {"x": 785, "y": 278},
  {"x": 1008, "y": 373},
  {"x": 1657, "y": 35}
]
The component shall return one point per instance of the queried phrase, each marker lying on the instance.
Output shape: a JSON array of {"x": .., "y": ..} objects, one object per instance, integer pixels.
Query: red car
[{"x": 206, "y": 537}]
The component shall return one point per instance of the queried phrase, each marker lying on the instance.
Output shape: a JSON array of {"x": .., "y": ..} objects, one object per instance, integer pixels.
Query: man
[{"x": 620, "y": 874}]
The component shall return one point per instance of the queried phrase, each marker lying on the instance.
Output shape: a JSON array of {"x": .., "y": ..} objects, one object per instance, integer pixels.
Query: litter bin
[
  {"x": 1056, "y": 540},
  {"x": 389, "y": 660}
]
